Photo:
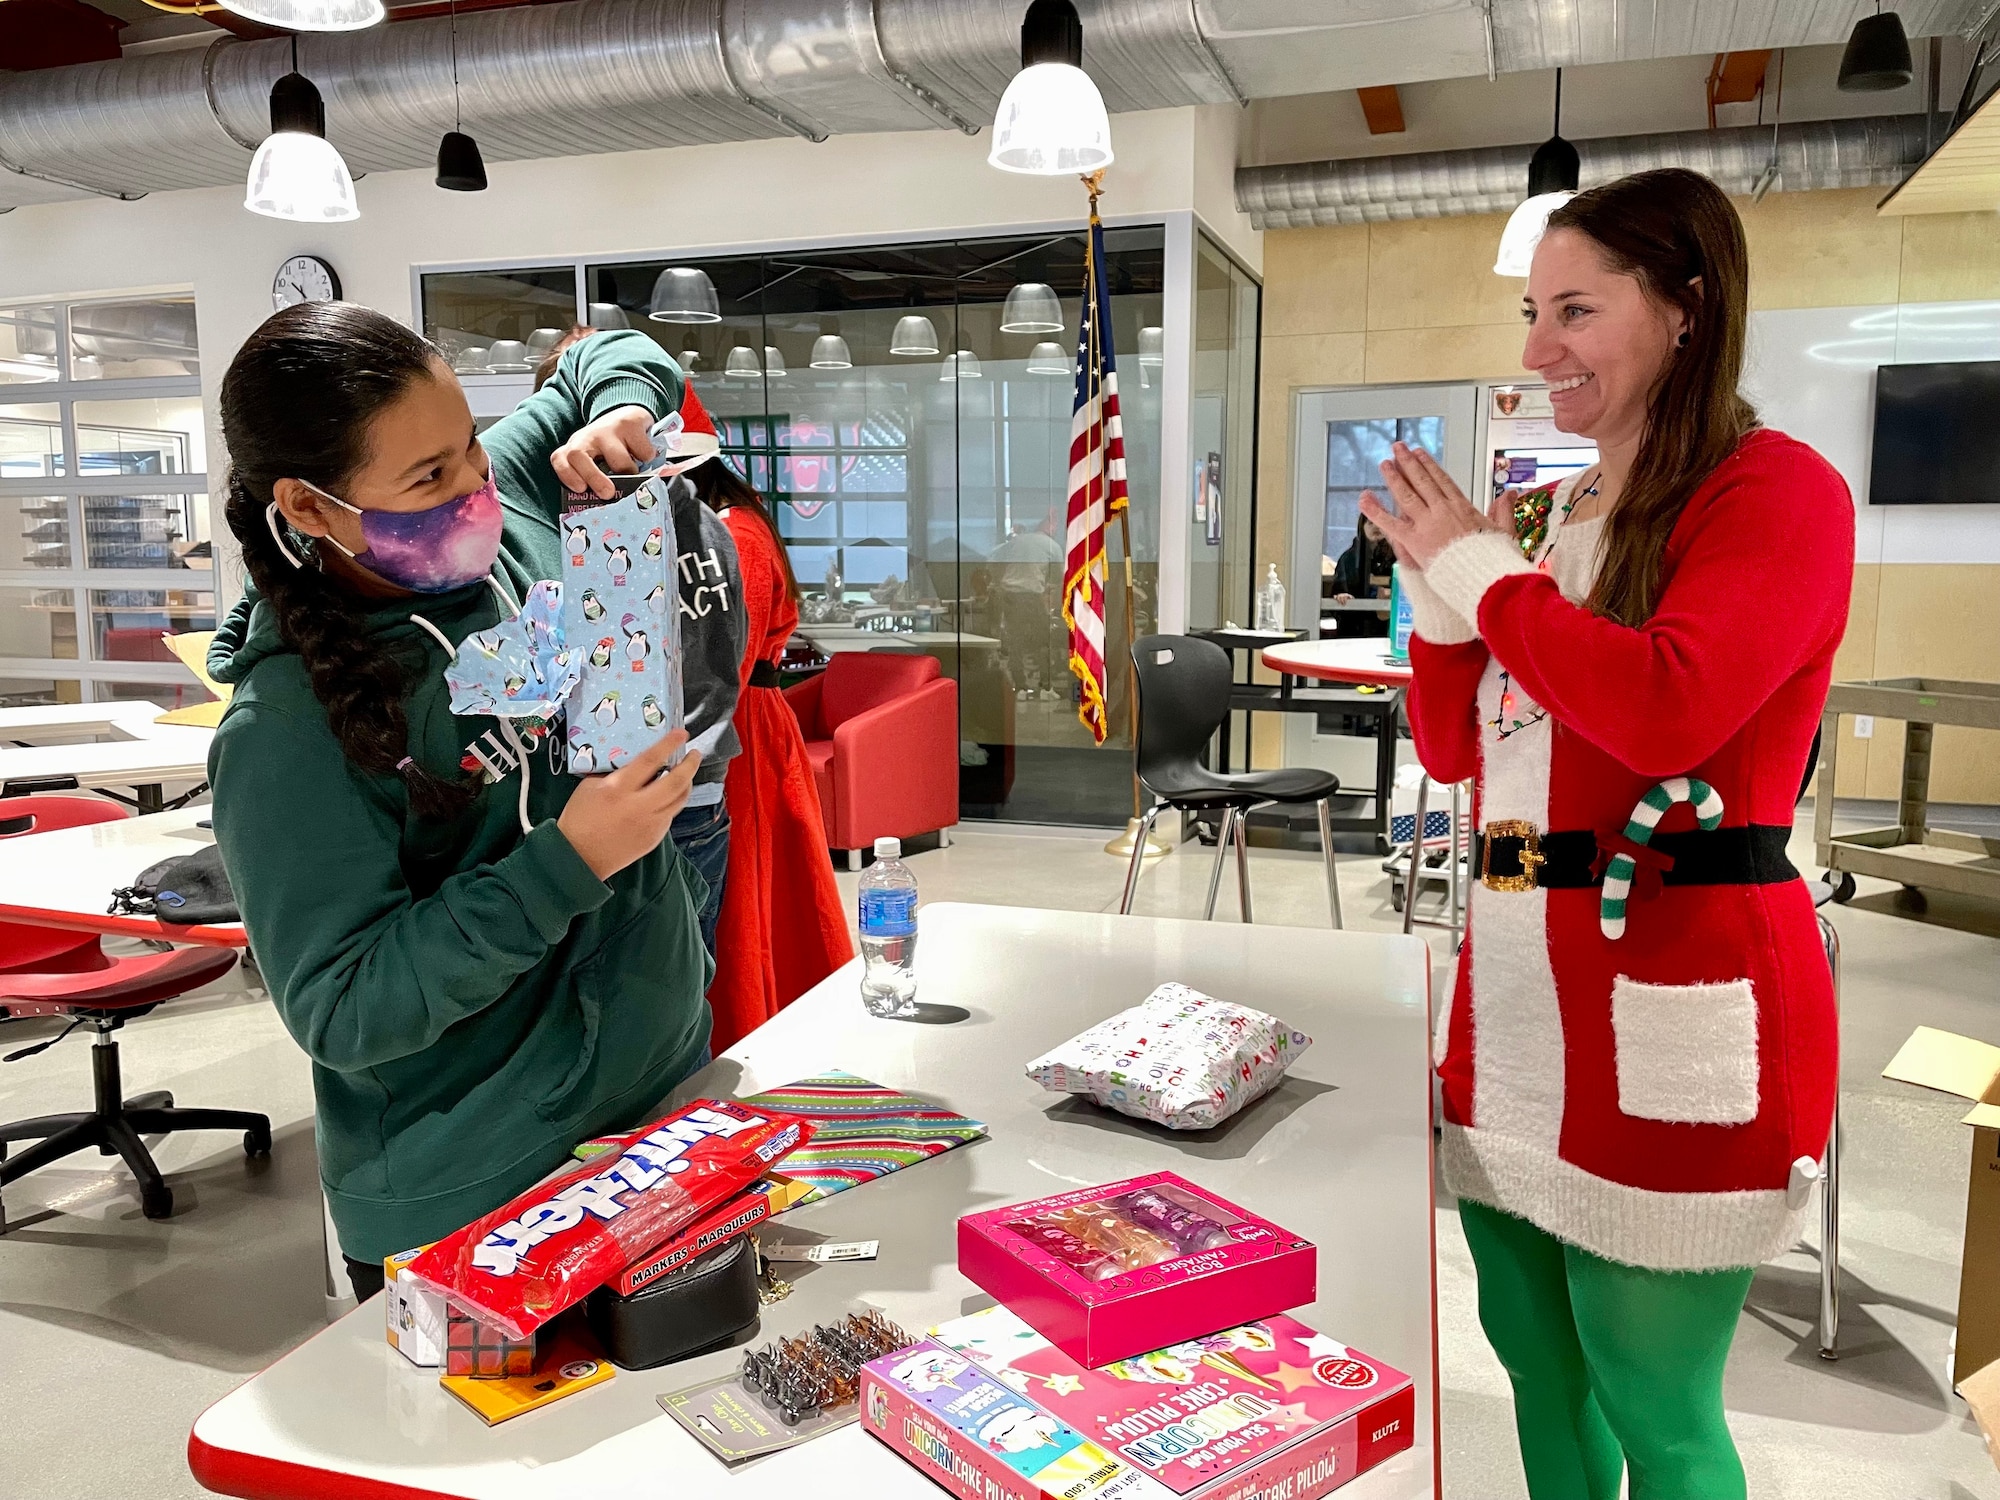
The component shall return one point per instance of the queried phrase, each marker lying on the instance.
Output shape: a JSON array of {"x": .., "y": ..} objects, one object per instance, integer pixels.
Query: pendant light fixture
[
  {"x": 309, "y": 15},
  {"x": 684, "y": 294},
  {"x": 1031, "y": 307},
  {"x": 688, "y": 360},
  {"x": 1553, "y": 173},
  {"x": 774, "y": 363},
  {"x": 830, "y": 352},
  {"x": 1051, "y": 120},
  {"x": 1877, "y": 55},
  {"x": 1048, "y": 359},
  {"x": 297, "y": 174},
  {"x": 963, "y": 365},
  {"x": 460, "y": 167},
  {"x": 915, "y": 335},
  {"x": 742, "y": 364}
]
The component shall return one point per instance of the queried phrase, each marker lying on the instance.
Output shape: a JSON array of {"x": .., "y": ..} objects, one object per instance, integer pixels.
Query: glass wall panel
[
  {"x": 28, "y": 344},
  {"x": 38, "y": 623},
  {"x": 130, "y": 340},
  {"x": 468, "y": 313},
  {"x": 152, "y": 435},
  {"x": 31, "y": 441},
  {"x": 35, "y": 532},
  {"x": 25, "y": 692},
  {"x": 1221, "y": 569},
  {"x": 912, "y": 433}
]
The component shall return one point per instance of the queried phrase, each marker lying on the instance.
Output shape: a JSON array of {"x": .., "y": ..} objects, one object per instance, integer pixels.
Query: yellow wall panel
[
  {"x": 1480, "y": 351},
  {"x": 1855, "y": 662},
  {"x": 1951, "y": 257},
  {"x": 1437, "y": 273},
  {"x": 1821, "y": 250},
  {"x": 1938, "y": 620},
  {"x": 1316, "y": 280}
]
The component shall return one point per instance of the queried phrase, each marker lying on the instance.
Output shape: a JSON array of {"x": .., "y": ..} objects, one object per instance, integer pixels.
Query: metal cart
[{"x": 1910, "y": 853}]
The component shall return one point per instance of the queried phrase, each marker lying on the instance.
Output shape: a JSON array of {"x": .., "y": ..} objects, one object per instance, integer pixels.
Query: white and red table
[
  {"x": 1363, "y": 661},
  {"x": 94, "y": 746},
  {"x": 1366, "y": 661},
  {"x": 1340, "y": 1151},
  {"x": 65, "y": 878}
]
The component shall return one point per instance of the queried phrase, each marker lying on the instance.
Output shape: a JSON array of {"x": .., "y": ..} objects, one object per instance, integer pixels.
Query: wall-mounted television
[{"x": 1937, "y": 435}]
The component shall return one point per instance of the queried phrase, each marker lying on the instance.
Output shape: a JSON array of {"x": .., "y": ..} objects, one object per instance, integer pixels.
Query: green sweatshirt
[{"x": 474, "y": 1001}]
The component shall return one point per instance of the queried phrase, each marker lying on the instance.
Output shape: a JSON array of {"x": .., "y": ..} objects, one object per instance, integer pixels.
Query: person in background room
[
  {"x": 1362, "y": 572},
  {"x": 1640, "y": 1057},
  {"x": 484, "y": 968},
  {"x": 714, "y": 629},
  {"x": 1030, "y": 579},
  {"x": 783, "y": 929}
]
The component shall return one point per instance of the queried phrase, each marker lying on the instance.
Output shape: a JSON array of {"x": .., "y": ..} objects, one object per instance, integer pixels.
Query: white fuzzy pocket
[{"x": 1686, "y": 1052}]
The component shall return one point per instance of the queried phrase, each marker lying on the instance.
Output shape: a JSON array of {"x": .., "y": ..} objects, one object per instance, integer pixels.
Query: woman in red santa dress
[
  {"x": 1639, "y": 1058},
  {"x": 782, "y": 928}
]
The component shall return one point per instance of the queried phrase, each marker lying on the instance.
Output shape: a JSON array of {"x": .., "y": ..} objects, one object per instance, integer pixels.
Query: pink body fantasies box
[{"x": 1113, "y": 1271}]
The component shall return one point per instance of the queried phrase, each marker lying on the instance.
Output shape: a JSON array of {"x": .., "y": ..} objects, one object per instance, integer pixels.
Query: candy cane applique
[{"x": 1639, "y": 830}]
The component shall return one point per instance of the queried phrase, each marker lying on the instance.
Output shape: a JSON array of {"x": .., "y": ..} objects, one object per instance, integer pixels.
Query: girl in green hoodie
[{"x": 475, "y": 998}]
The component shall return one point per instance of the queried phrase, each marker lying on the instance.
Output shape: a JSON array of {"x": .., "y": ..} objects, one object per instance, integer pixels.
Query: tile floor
[{"x": 115, "y": 1332}]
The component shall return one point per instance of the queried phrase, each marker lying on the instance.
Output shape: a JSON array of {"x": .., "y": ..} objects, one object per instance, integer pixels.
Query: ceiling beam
[
  {"x": 1382, "y": 107},
  {"x": 1736, "y": 78}
]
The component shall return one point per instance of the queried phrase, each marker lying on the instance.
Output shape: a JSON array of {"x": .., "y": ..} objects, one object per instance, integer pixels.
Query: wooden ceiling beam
[{"x": 1382, "y": 108}]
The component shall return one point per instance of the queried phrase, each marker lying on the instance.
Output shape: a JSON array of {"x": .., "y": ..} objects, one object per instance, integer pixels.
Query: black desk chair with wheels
[{"x": 1184, "y": 691}]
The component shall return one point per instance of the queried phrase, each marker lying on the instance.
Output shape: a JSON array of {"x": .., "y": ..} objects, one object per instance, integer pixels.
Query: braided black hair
[{"x": 296, "y": 404}]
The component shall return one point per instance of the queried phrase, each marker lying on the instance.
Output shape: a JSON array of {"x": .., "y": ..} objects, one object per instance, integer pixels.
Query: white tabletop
[
  {"x": 65, "y": 878},
  {"x": 101, "y": 744},
  {"x": 1364, "y": 659},
  {"x": 1340, "y": 1152},
  {"x": 44, "y": 723}
]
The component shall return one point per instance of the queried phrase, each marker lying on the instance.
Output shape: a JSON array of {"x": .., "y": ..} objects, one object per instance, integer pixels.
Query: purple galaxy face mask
[{"x": 429, "y": 551}]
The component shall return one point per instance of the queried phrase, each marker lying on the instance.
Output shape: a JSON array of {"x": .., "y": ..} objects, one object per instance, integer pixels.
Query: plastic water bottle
[
  {"x": 889, "y": 933},
  {"x": 1271, "y": 601}
]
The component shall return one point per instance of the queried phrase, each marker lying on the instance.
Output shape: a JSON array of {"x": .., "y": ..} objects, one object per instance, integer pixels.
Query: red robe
[
  {"x": 782, "y": 929},
  {"x": 1655, "y": 1097}
]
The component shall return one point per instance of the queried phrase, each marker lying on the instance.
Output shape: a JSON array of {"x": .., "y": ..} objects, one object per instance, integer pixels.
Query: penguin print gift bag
[{"x": 620, "y": 615}]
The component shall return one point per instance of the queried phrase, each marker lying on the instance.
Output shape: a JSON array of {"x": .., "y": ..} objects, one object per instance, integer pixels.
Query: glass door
[{"x": 1340, "y": 574}]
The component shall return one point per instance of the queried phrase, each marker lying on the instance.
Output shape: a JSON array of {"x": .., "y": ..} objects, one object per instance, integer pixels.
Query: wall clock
[{"x": 304, "y": 278}]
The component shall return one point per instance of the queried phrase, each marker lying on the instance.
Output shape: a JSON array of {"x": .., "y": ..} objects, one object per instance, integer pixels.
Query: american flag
[{"x": 1096, "y": 486}]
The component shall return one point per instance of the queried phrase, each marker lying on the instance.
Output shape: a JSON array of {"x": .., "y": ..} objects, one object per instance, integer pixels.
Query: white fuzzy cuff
[
  {"x": 1436, "y": 621},
  {"x": 1462, "y": 573}
]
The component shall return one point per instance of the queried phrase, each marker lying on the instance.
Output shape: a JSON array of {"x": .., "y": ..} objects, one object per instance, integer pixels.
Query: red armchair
[{"x": 881, "y": 733}]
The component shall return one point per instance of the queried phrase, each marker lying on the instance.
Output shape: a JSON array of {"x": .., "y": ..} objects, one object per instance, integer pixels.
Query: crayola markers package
[{"x": 620, "y": 610}]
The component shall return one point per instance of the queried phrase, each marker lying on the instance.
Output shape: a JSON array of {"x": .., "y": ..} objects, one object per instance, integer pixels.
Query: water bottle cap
[{"x": 888, "y": 848}]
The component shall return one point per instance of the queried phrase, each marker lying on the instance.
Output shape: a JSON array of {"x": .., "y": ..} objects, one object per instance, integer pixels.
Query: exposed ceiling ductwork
[
  {"x": 585, "y": 76},
  {"x": 1875, "y": 152}
]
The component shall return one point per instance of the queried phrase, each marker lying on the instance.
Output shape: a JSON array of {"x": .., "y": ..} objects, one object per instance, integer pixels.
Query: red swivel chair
[
  {"x": 46, "y": 971},
  {"x": 881, "y": 733}
]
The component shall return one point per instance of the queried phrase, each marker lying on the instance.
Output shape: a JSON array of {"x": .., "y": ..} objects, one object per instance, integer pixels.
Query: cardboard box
[
  {"x": 1237, "y": 1268},
  {"x": 1959, "y": 1065},
  {"x": 989, "y": 1408},
  {"x": 413, "y": 1313}
]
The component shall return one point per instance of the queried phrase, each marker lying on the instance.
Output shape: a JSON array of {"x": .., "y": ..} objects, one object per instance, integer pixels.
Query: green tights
[{"x": 1611, "y": 1364}]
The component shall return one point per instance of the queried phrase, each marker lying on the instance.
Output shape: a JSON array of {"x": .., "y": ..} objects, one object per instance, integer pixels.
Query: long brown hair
[
  {"x": 1678, "y": 234},
  {"x": 721, "y": 487}
]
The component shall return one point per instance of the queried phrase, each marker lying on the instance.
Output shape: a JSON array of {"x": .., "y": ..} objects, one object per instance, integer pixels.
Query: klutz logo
[{"x": 1344, "y": 1374}]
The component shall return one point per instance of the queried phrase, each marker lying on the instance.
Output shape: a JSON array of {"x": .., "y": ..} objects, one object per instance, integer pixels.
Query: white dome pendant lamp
[
  {"x": 1553, "y": 173},
  {"x": 1051, "y": 120},
  {"x": 460, "y": 166},
  {"x": 309, "y": 15},
  {"x": 297, "y": 174}
]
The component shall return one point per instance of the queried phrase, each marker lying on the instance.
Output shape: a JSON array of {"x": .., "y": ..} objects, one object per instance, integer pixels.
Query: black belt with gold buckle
[{"x": 1512, "y": 855}]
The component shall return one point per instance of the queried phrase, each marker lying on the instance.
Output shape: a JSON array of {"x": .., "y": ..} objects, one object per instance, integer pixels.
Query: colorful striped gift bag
[{"x": 861, "y": 1131}]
